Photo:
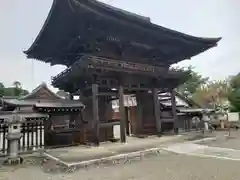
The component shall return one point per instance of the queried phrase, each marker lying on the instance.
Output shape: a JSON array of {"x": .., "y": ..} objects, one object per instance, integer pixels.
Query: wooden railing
[{"x": 32, "y": 136}]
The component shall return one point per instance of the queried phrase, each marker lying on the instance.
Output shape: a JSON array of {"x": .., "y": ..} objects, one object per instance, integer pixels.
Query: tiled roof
[
  {"x": 38, "y": 89},
  {"x": 9, "y": 114},
  {"x": 45, "y": 103}
]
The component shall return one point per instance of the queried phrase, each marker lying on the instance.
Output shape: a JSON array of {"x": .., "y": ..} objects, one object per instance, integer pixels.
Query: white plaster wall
[{"x": 232, "y": 117}]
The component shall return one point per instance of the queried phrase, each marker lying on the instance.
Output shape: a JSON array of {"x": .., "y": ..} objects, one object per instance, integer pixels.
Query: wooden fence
[{"x": 32, "y": 136}]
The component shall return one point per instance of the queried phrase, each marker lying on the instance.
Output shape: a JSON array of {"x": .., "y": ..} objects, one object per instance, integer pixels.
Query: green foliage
[
  {"x": 13, "y": 91},
  {"x": 1, "y": 89},
  {"x": 24, "y": 92},
  {"x": 233, "y": 109},
  {"x": 194, "y": 82},
  {"x": 234, "y": 96},
  {"x": 213, "y": 94},
  {"x": 17, "y": 84},
  {"x": 235, "y": 82}
]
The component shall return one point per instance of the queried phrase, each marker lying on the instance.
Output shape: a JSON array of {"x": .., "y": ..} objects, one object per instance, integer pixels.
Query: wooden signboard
[{"x": 122, "y": 66}]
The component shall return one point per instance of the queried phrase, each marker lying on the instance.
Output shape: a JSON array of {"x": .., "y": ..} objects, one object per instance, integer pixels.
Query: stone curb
[
  {"x": 125, "y": 158},
  {"x": 112, "y": 160}
]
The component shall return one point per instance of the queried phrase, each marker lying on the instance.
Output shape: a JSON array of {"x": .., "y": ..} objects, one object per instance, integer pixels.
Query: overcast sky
[{"x": 21, "y": 21}]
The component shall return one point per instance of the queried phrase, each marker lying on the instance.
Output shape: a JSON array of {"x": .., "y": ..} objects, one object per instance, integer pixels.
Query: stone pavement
[
  {"x": 167, "y": 166},
  {"x": 204, "y": 151},
  {"x": 189, "y": 164},
  {"x": 222, "y": 146},
  {"x": 232, "y": 142},
  {"x": 73, "y": 155}
]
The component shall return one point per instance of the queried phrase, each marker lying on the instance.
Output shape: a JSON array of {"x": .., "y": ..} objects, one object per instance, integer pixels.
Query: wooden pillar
[
  {"x": 127, "y": 121},
  {"x": 174, "y": 111},
  {"x": 157, "y": 111},
  {"x": 139, "y": 118},
  {"x": 72, "y": 117},
  {"x": 122, "y": 115},
  {"x": 71, "y": 96},
  {"x": 95, "y": 114}
]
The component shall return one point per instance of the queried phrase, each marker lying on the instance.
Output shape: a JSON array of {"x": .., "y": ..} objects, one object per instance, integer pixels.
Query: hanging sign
[{"x": 97, "y": 62}]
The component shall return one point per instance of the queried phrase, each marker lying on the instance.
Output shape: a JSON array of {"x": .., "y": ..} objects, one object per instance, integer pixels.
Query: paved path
[
  {"x": 73, "y": 155},
  {"x": 222, "y": 147},
  {"x": 168, "y": 166},
  {"x": 205, "y": 151},
  {"x": 182, "y": 161}
]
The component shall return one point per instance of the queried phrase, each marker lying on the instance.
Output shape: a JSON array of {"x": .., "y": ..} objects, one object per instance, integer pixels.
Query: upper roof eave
[
  {"x": 126, "y": 14},
  {"x": 111, "y": 12},
  {"x": 120, "y": 15},
  {"x": 42, "y": 29}
]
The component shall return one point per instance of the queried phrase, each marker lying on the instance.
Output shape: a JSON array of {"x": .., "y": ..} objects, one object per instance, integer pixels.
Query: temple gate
[{"x": 109, "y": 52}]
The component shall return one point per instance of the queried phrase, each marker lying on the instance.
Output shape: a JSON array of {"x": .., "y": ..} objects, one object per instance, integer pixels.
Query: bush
[{"x": 234, "y": 99}]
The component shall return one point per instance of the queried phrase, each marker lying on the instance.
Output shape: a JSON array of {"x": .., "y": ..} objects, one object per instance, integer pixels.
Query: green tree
[
  {"x": 1, "y": 89},
  {"x": 234, "y": 99},
  {"x": 213, "y": 94},
  {"x": 194, "y": 82},
  {"x": 234, "y": 96},
  {"x": 24, "y": 92},
  {"x": 17, "y": 88},
  {"x": 235, "y": 81},
  {"x": 17, "y": 84},
  {"x": 13, "y": 91}
]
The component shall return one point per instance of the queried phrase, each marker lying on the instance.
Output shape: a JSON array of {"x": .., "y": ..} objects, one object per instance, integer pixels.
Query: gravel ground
[
  {"x": 167, "y": 166},
  {"x": 231, "y": 141}
]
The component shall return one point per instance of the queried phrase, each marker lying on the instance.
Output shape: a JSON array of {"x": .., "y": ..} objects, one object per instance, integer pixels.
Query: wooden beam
[
  {"x": 157, "y": 111},
  {"x": 174, "y": 111},
  {"x": 95, "y": 114},
  {"x": 109, "y": 124},
  {"x": 108, "y": 94},
  {"x": 122, "y": 115}
]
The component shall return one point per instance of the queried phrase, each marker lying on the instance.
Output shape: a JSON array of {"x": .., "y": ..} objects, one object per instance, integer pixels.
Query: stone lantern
[{"x": 13, "y": 136}]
